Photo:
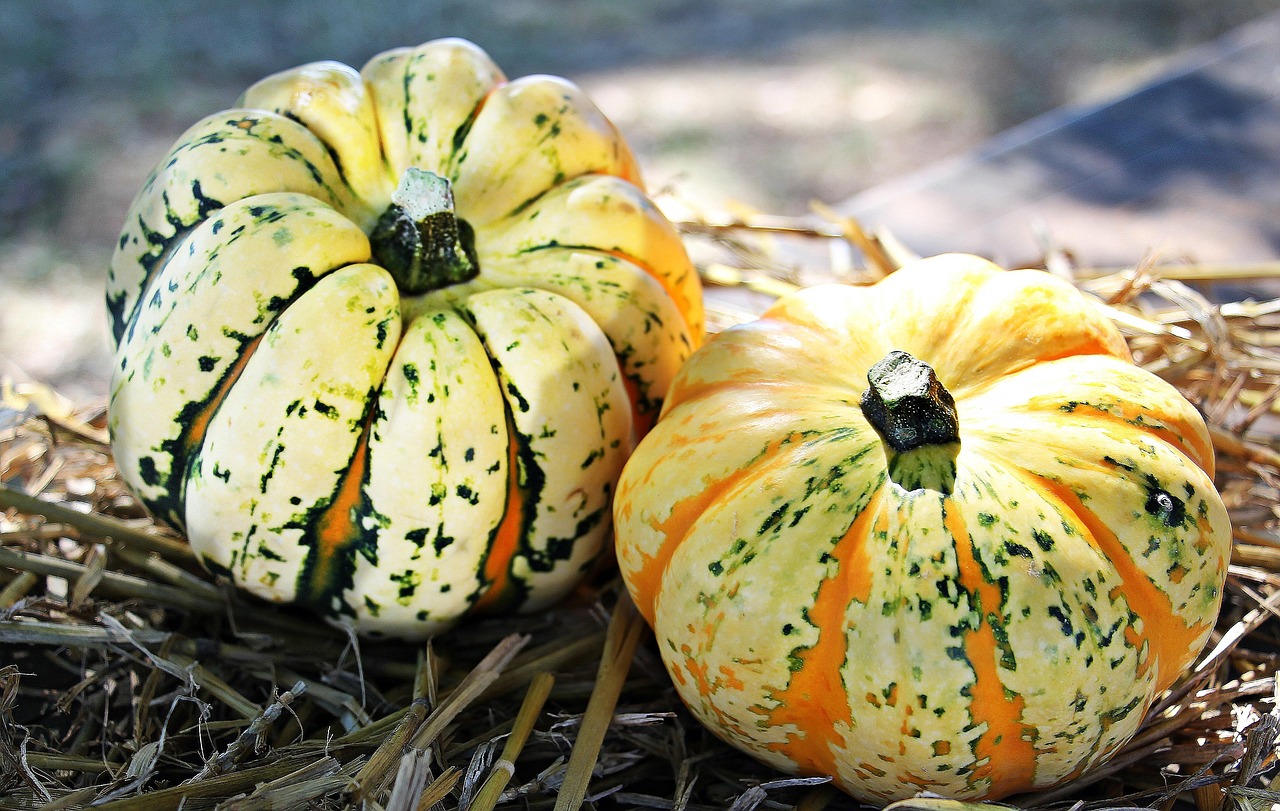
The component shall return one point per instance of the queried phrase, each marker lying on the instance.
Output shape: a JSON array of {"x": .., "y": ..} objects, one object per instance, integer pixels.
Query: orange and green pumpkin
[
  {"x": 937, "y": 534},
  {"x": 384, "y": 339}
]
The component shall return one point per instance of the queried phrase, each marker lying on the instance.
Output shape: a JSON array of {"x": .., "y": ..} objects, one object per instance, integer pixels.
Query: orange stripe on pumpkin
[
  {"x": 1169, "y": 636},
  {"x": 641, "y": 421},
  {"x": 1005, "y": 751},
  {"x": 338, "y": 525},
  {"x": 815, "y": 699},
  {"x": 199, "y": 425},
  {"x": 1183, "y": 437},
  {"x": 506, "y": 539},
  {"x": 674, "y": 293},
  {"x": 646, "y": 581}
]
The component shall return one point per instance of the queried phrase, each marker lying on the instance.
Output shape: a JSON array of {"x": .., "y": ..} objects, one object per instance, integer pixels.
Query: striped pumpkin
[
  {"x": 384, "y": 339},
  {"x": 938, "y": 534}
]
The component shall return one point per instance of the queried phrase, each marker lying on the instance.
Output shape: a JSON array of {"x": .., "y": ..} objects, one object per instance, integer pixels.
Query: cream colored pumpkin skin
[
  {"x": 831, "y": 617},
  {"x": 394, "y": 457}
]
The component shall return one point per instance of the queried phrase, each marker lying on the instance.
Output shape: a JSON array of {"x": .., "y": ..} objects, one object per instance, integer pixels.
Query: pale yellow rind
[
  {"x": 271, "y": 154},
  {"x": 332, "y": 101},
  {"x": 640, "y": 321},
  {"x": 532, "y": 134},
  {"x": 607, "y": 214},
  {"x": 425, "y": 98},
  {"x": 437, "y": 478},
  {"x": 1001, "y": 634},
  {"x": 287, "y": 432},
  {"x": 566, "y": 398},
  {"x": 235, "y": 272}
]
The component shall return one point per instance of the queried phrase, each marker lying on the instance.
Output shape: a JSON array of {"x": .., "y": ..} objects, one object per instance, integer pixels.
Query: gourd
[
  {"x": 937, "y": 534},
  {"x": 383, "y": 339}
]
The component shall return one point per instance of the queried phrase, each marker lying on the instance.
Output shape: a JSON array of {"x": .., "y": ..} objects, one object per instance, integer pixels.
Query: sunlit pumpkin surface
[
  {"x": 974, "y": 618},
  {"x": 395, "y": 432}
]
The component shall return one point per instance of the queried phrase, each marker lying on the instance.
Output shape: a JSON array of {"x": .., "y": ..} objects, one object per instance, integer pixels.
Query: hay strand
[{"x": 624, "y": 632}]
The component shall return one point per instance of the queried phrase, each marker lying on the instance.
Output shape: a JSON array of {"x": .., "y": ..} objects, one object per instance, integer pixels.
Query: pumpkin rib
[
  {"x": 437, "y": 477},
  {"x": 814, "y": 701},
  {"x": 537, "y": 340},
  {"x": 1178, "y": 572},
  {"x": 669, "y": 287},
  {"x": 336, "y": 531},
  {"x": 678, "y": 524},
  {"x": 234, "y": 260},
  {"x": 332, "y": 101},
  {"x": 499, "y": 587},
  {"x": 280, "y": 155},
  {"x": 1065, "y": 636},
  {"x": 1004, "y": 754},
  {"x": 528, "y": 113},
  {"x": 1168, "y": 637},
  {"x": 1164, "y": 634},
  {"x": 571, "y": 215},
  {"x": 984, "y": 323},
  {"x": 1190, "y": 444},
  {"x": 278, "y": 446},
  {"x": 399, "y": 79},
  {"x": 190, "y": 438},
  {"x": 1152, "y": 409},
  {"x": 638, "y": 316}
]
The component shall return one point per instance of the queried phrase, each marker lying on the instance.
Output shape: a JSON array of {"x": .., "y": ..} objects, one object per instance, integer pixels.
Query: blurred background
[{"x": 742, "y": 105}]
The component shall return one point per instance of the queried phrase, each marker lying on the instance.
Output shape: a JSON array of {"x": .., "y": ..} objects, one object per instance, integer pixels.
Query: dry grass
[{"x": 129, "y": 679}]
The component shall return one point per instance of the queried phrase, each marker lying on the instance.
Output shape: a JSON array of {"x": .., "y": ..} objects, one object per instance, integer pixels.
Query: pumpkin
[
  {"x": 935, "y": 534},
  {"x": 384, "y": 339}
]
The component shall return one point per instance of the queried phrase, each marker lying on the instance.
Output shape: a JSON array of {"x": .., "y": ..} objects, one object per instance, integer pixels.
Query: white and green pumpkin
[{"x": 384, "y": 339}]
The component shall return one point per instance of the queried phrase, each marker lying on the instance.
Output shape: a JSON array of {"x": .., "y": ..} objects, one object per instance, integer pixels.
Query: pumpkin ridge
[
  {"x": 460, "y": 134},
  {"x": 506, "y": 540},
  {"x": 641, "y": 371},
  {"x": 1005, "y": 752},
  {"x": 246, "y": 127},
  {"x": 333, "y": 529},
  {"x": 647, "y": 267},
  {"x": 1164, "y": 633},
  {"x": 645, "y": 581},
  {"x": 154, "y": 260},
  {"x": 262, "y": 136},
  {"x": 816, "y": 689},
  {"x": 1190, "y": 444},
  {"x": 185, "y": 448}
]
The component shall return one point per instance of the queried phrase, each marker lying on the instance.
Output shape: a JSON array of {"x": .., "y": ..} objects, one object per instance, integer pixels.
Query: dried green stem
[
  {"x": 229, "y": 757},
  {"x": 907, "y": 404},
  {"x": 18, "y": 588},
  {"x": 420, "y": 240},
  {"x": 215, "y": 788},
  {"x": 295, "y": 790}
]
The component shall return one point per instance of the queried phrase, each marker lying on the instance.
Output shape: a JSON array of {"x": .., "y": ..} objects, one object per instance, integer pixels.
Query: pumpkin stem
[
  {"x": 907, "y": 404},
  {"x": 420, "y": 240}
]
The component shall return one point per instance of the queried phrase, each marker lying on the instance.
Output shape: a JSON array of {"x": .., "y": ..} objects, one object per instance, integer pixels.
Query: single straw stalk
[{"x": 625, "y": 628}]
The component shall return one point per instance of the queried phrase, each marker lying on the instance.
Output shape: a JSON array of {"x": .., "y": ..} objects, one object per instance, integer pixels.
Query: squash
[
  {"x": 937, "y": 534},
  {"x": 384, "y": 339}
]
